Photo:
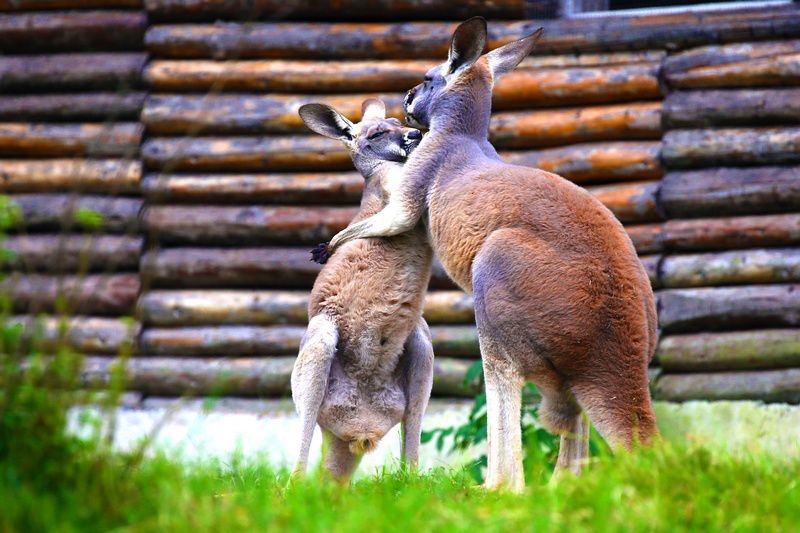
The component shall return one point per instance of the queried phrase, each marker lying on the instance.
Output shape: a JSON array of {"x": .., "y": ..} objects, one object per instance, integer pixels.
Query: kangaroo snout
[{"x": 409, "y": 97}]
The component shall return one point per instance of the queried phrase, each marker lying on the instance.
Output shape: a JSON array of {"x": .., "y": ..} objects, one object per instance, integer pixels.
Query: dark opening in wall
[{"x": 634, "y": 4}]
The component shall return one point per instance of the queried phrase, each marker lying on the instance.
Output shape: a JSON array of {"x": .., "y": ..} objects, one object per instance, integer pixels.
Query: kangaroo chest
[{"x": 456, "y": 233}]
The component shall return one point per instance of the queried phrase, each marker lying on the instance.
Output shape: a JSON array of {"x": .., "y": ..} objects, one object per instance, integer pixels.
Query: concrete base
[
  {"x": 738, "y": 427},
  {"x": 196, "y": 429}
]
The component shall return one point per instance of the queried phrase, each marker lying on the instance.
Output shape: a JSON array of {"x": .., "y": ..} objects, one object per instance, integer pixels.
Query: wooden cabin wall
[
  {"x": 684, "y": 125},
  {"x": 70, "y": 98},
  {"x": 732, "y": 151}
]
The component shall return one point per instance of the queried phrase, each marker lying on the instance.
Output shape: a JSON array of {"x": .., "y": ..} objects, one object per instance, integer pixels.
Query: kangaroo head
[
  {"x": 373, "y": 141},
  {"x": 464, "y": 82}
]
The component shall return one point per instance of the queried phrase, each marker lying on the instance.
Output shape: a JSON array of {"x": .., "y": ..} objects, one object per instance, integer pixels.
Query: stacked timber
[
  {"x": 237, "y": 190},
  {"x": 70, "y": 98},
  {"x": 729, "y": 311},
  {"x": 684, "y": 125}
]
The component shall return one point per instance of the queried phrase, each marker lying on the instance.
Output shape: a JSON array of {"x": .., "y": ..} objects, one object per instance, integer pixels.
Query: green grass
[{"x": 662, "y": 489}]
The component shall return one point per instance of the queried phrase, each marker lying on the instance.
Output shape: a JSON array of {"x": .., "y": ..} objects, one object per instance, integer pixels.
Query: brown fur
[
  {"x": 371, "y": 294},
  {"x": 561, "y": 298}
]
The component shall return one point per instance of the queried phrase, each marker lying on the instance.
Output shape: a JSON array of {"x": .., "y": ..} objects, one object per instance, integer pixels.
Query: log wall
[
  {"x": 70, "y": 99},
  {"x": 179, "y": 126},
  {"x": 730, "y": 150}
]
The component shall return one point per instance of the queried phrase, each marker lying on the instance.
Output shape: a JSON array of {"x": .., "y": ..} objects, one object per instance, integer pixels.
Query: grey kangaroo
[
  {"x": 560, "y": 296},
  {"x": 366, "y": 361}
]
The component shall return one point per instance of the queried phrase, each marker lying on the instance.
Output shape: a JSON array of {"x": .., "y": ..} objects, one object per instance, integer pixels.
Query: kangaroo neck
[
  {"x": 465, "y": 115},
  {"x": 378, "y": 183}
]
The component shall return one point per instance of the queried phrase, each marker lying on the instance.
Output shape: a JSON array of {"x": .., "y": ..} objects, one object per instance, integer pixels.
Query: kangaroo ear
[
  {"x": 507, "y": 57},
  {"x": 467, "y": 45},
  {"x": 372, "y": 108},
  {"x": 325, "y": 120}
]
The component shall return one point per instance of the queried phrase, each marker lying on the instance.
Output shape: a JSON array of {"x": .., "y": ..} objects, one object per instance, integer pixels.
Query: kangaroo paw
[{"x": 321, "y": 253}]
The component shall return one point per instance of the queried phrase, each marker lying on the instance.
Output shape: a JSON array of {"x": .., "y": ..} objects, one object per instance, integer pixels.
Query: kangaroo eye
[
  {"x": 375, "y": 135},
  {"x": 427, "y": 79}
]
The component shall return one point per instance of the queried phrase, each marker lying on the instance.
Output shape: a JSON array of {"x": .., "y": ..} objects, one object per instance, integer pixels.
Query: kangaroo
[
  {"x": 366, "y": 360},
  {"x": 560, "y": 296}
]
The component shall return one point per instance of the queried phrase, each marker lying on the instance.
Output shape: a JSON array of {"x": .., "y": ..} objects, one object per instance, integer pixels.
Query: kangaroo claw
[{"x": 321, "y": 253}]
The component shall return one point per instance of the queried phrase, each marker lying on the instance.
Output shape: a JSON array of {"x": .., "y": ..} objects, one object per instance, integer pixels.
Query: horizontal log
[
  {"x": 169, "y": 308},
  {"x": 730, "y": 233},
  {"x": 592, "y": 162},
  {"x": 721, "y": 308},
  {"x": 284, "y": 75},
  {"x": 85, "y": 335},
  {"x": 731, "y": 107},
  {"x": 82, "y": 72},
  {"x": 178, "y": 376},
  {"x": 70, "y": 253},
  {"x": 647, "y": 238},
  {"x": 275, "y": 113},
  {"x": 204, "y": 10},
  {"x": 242, "y": 340},
  {"x": 239, "y": 267},
  {"x": 651, "y": 264},
  {"x": 36, "y": 5},
  {"x": 72, "y": 107},
  {"x": 229, "y": 267},
  {"x": 766, "y": 265},
  {"x": 622, "y": 160},
  {"x": 241, "y": 376},
  {"x": 765, "y": 385},
  {"x": 238, "y": 114},
  {"x": 229, "y": 340},
  {"x": 72, "y": 31},
  {"x": 105, "y": 176},
  {"x": 449, "y": 378},
  {"x": 111, "y": 294},
  {"x": 730, "y": 191},
  {"x": 538, "y": 85},
  {"x": 716, "y": 233},
  {"x": 431, "y": 39},
  {"x": 731, "y": 146},
  {"x": 58, "y": 140},
  {"x": 630, "y": 202},
  {"x": 288, "y": 153},
  {"x": 734, "y": 350},
  {"x": 532, "y": 129},
  {"x": 248, "y": 225},
  {"x": 321, "y": 188},
  {"x": 65, "y": 211},
  {"x": 751, "y": 64},
  {"x": 251, "y": 225}
]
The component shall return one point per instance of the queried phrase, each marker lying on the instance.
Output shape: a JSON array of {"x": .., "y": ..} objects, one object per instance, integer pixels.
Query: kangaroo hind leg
[
  {"x": 619, "y": 406},
  {"x": 418, "y": 374},
  {"x": 561, "y": 415},
  {"x": 310, "y": 379}
]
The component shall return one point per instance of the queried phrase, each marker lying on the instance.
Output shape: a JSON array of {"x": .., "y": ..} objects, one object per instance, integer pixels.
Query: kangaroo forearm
[{"x": 391, "y": 220}]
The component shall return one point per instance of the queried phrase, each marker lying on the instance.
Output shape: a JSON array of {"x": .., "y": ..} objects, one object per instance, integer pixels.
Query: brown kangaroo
[
  {"x": 366, "y": 361},
  {"x": 560, "y": 296}
]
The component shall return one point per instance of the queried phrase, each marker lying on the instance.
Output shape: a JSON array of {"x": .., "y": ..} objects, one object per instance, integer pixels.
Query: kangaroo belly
[{"x": 360, "y": 411}]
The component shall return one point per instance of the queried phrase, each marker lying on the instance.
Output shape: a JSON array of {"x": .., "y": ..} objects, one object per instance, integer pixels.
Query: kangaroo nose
[
  {"x": 414, "y": 135},
  {"x": 409, "y": 96}
]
